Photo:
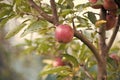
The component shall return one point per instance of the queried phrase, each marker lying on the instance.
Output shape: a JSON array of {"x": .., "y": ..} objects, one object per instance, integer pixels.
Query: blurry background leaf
[
  {"x": 34, "y": 27},
  {"x": 55, "y": 70},
  {"x": 14, "y": 31},
  {"x": 91, "y": 16},
  {"x": 71, "y": 59}
]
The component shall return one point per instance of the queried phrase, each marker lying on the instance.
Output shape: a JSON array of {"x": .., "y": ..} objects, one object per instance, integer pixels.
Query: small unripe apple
[
  {"x": 64, "y": 33},
  {"x": 110, "y": 5},
  {"x": 58, "y": 62},
  {"x": 111, "y": 21}
]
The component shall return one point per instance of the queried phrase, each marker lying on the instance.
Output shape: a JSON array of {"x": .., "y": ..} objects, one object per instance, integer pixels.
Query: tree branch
[
  {"x": 102, "y": 73},
  {"x": 80, "y": 36},
  {"x": 40, "y": 11},
  {"x": 114, "y": 34},
  {"x": 54, "y": 11},
  {"x": 102, "y": 35}
]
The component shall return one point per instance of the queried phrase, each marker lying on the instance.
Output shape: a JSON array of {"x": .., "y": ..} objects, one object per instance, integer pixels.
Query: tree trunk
[{"x": 102, "y": 72}]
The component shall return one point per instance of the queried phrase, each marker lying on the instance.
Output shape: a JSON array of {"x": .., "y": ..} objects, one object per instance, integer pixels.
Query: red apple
[
  {"x": 111, "y": 21},
  {"x": 115, "y": 57},
  {"x": 96, "y": 4},
  {"x": 64, "y": 33},
  {"x": 92, "y": 1},
  {"x": 113, "y": 12},
  {"x": 58, "y": 62},
  {"x": 110, "y": 5}
]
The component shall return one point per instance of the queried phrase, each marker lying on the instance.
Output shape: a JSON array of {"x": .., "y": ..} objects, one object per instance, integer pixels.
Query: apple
[
  {"x": 93, "y": 1},
  {"x": 96, "y": 4},
  {"x": 113, "y": 12},
  {"x": 110, "y": 5},
  {"x": 58, "y": 62},
  {"x": 64, "y": 33},
  {"x": 114, "y": 56},
  {"x": 117, "y": 2},
  {"x": 111, "y": 21}
]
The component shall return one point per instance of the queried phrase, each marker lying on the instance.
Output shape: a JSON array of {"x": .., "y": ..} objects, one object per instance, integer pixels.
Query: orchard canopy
[{"x": 75, "y": 36}]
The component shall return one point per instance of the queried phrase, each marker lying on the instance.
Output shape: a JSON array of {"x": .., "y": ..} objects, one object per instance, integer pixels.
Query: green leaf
[
  {"x": 72, "y": 59},
  {"x": 91, "y": 17},
  {"x": 28, "y": 42},
  {"x": 14, "y": 31},
  {"x": 4, "y": 20},
  {"x": 60, "y": 1},
  {"x": 112, "y": 63},
  {"x": 55, "y": 70},
  {"x": 2, "y": 5},
  {"x": 82, "y": 50},
  {"x": 4, "y": 13},
  {"x": 5, "y": 10},
  {"x": 66, "y": 12},
  {"x": 28, "y": 50},
  {"x": 82, "y": 21},
  {"x": 70, "y": 3},
  {"x": 81, "y": 7},
  {"x": 34, "y": 27}
]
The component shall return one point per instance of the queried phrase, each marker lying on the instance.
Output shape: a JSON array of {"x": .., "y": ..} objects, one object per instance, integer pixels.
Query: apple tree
[{"x": 71, "y": 36}]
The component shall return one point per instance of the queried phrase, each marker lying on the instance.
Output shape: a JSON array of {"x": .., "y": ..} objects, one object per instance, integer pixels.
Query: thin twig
[
  {"x": 73, "y": 24},
  {"x": 40, "y": 11},
  {"x": 114, "y": 34},
  {"x": 54, "y": 11}
]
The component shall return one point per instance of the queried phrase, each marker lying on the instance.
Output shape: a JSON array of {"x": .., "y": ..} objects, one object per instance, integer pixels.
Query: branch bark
[
  {"x": 40, "y": 11},
  {"x": 114, "y": 34},
  {"x": 54, "y": 11},
  {"x": 102, "y": 35},
  {"x": 80, "y": 36},
  {"x": 102, "y": 72}
]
